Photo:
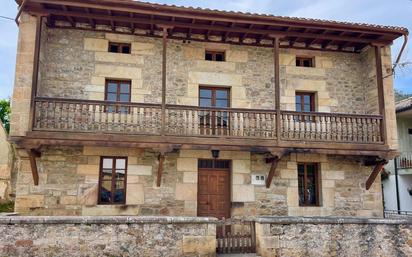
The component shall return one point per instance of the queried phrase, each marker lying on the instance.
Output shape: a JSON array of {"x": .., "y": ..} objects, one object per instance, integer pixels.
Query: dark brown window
[
  {"x": 117, "y": 91},
  {"x": 215, "y": 56},
  {"x": 123, "y": 48},
  {"x": 214, "y": 122},
  {"x": 305, "y": 61},
  {"x": 308, "y": 184},
  {"x": 112, "y": 180},
  {"x": 410, "y": 131},
  {"x": 305, "y": 102}
]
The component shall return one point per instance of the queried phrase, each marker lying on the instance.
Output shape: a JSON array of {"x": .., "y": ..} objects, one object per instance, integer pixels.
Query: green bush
[{"x": 7, "y": 206}]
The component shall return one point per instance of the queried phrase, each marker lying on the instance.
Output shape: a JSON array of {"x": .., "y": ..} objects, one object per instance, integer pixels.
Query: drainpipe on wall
[{"x": 397, "y": 186}]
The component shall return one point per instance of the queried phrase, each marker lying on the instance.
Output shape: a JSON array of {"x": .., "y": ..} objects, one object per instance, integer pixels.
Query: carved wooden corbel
[
  {"x": 376, "y": 170},
  {"x": 33, "y": 154}
]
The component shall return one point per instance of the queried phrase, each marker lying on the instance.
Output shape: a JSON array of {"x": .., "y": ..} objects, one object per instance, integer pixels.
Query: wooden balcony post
[
  {"x": 277, "y": 85},
  {"x": 164, "y": 59},
  {"x": 35, "y": 74},
  {"x": 381, "y": 93}
]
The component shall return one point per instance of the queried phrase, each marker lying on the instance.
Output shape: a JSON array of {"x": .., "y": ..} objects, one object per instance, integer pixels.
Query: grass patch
[{"x": 7, "y": 206}]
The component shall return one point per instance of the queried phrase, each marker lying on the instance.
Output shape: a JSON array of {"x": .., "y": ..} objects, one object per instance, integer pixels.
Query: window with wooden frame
[
  {"x": 308, "y": 184},
  {"x": 117, "y": 91},
  {"x": 112, "y": 180},
  {"x": 305, "y": 61},
  {"x": 122, "y": 48},
  {"x": 218, "y": 56},
  {"x": 305, "y": 101},
  {"x": 214, "y": 122}
]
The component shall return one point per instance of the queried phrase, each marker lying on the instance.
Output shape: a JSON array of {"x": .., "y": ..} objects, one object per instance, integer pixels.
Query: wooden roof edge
[{"x": 327, "y": 24}]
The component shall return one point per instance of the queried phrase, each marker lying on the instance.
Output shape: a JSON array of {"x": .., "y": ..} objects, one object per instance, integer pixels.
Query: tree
[
  {"x": 5, "y": 111},
  {"x": 399, "y": 95}
]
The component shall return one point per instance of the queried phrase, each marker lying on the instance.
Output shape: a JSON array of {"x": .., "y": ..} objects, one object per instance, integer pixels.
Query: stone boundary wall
[
  {"x": 351, "y": 237},
  {"x": 107, "y": 236}
]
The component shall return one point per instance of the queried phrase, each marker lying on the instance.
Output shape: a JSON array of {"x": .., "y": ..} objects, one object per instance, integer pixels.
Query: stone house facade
[{"x": 109, "y": 120}]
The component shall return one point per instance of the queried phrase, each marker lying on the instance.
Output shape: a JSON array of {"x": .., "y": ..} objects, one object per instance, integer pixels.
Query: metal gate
[{"x": 236, "y": 236}]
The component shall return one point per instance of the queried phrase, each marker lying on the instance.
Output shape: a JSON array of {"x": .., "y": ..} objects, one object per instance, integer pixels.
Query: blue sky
[{"x": 386, "y": 12}]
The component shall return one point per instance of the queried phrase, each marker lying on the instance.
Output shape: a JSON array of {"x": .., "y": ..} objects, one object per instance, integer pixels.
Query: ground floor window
[
  {"x": 308, "y": 183},
  {"x": 112, "y": 180}
]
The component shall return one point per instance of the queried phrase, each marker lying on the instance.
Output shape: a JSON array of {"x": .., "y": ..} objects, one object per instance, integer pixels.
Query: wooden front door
[{"x": 214, "y": 192}]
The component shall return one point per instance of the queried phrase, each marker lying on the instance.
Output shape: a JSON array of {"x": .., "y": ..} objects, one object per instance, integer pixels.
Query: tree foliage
[
  {"x": 5, "y": 111},
  {"x": 399, "y": 95}
]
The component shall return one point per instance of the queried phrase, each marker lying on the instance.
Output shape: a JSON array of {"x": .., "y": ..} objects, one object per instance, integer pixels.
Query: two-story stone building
[{"x": 125, "y": 107}]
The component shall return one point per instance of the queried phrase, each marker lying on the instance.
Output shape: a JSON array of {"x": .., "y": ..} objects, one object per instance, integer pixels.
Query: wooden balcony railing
[{"x": 53, "y": 114}]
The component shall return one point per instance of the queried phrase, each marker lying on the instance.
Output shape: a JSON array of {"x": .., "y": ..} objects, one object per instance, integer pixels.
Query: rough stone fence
[
  {"x": 107, "y": 236},
  {"x": 349, "y": 237},
  {"x": 191, "y": 237}
]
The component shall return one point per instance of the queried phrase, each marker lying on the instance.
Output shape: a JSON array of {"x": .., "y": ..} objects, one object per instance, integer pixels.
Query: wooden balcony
[{"x": 212, "y": 126}]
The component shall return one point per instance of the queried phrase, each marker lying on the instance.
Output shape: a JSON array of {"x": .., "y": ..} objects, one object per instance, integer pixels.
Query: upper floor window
[
  {"x": 123, "y": 48},
  {"x": 117, "y": 91},
  {"x": 214, "y": 97},
  {"x": 308, "y": 184},
  {"x": 305, "y": 61},
  {"x": 112, "y": 180},
  {"x": 214, "y": 122},
  {"x": 218, "y": 56},
  {"x": 305, "y": 102}
]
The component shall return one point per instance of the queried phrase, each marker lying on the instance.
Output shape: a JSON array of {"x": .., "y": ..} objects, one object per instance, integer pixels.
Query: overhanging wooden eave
[
  {"x": 37, "y": 139},
  {"x": 243, "y": 28}
]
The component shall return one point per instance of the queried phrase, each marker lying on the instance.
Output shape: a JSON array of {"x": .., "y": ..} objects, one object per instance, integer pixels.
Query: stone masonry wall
[
  {"x": 69, "y": 184},
  {"x": 248, "y": 71},
  {"x": 342, "y": 191},
  {"x": 109, "y": 236},
  {"x": 320, "y": 237}
]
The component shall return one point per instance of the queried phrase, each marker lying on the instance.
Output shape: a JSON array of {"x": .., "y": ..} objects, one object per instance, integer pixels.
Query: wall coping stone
[
  {"x": 331, "y": 220},
  {"x": 10, "y": 220}
]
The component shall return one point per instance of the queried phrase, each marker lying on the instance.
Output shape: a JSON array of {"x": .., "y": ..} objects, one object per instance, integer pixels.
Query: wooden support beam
[
  {"x": 163, "y": 118},
  {"x": 376, "y": 170},
  {"x": 69, "y": 18},
  {"x": 277, "y": 85},
  {"x": 142, "y": 8},
  {"x": 33, "y": 154},
  {"x": 170, "y": 31},
  {"x": 272, "y": 171},
  {"x": 132, "y": 23},
  {"x": 381, "y": 92},
  {"x": 189, "y": 32},
  {"x": 111, "y": 21},
  {"x": 160, "y": 169},
  {"x": 151, "y": 25},
  {"x": 209, "y": 31},
  {"x": 92, "y": 21}
]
